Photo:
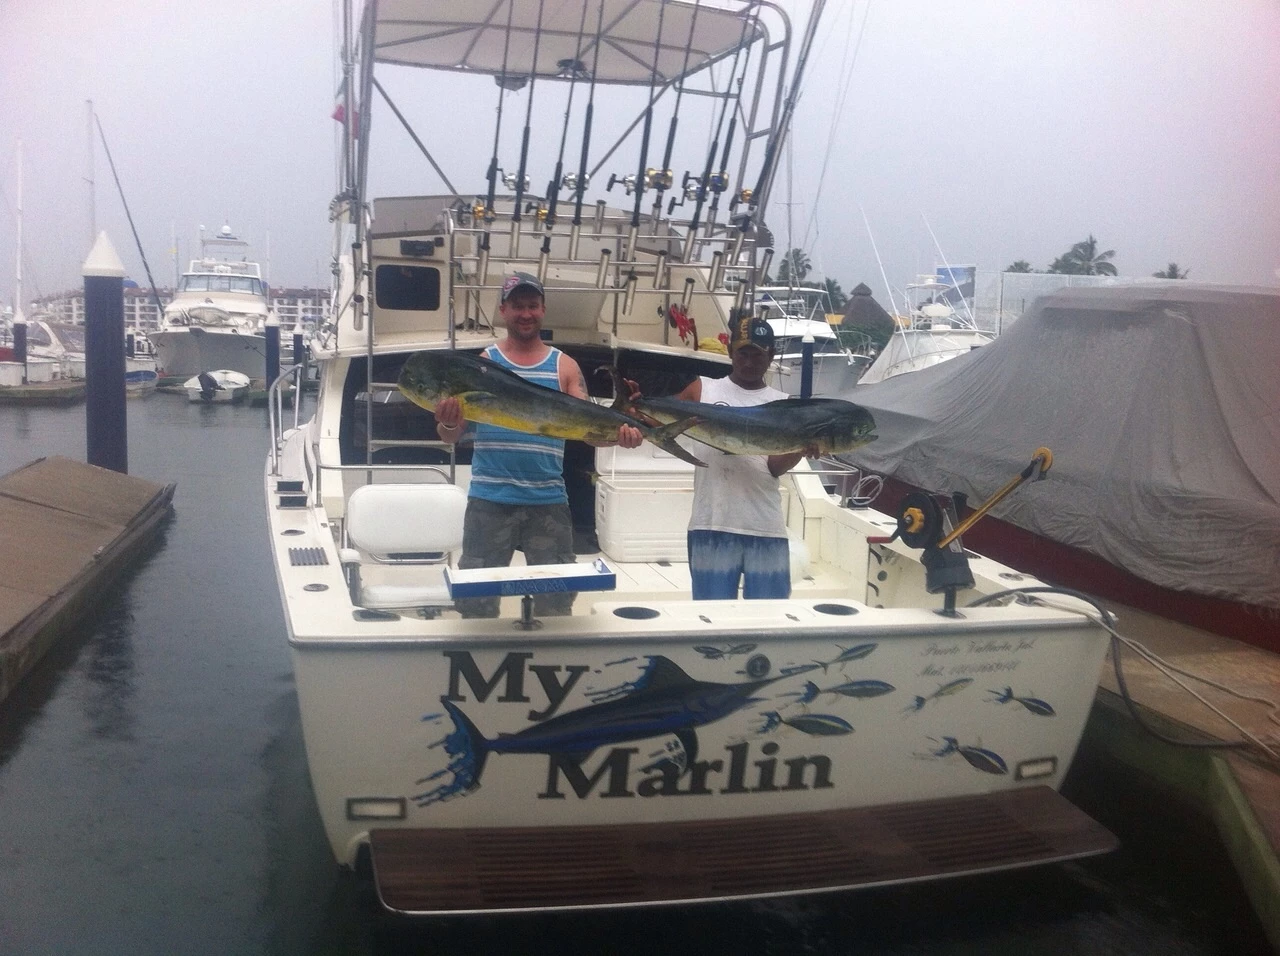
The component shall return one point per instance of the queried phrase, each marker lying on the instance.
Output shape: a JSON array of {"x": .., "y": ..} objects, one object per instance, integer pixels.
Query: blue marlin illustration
[
  {"x": 1034, "y": 704},
  {"x": 665, "y": 700}
]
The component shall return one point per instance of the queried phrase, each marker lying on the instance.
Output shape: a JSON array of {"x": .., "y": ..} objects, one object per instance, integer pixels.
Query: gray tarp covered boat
[{"x": 1161, "y": 406}]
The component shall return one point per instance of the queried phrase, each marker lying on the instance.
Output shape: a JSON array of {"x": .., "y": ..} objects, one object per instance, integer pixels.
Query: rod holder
[
  {"x": 629, "y": 297},
  {"x": 687, "y": 296},
  {"x": 660, "y": 269},
  {"x": 542, "y": 265},
  {"x": 602, "y": 272},
  {"x": 735, "y": 252},
  {"x": 482, "y": 267},
  {"x": 763, "y": 269},
  {"x": 686, "y": 254},
  {"x": 515, "y": 239},
  {"x": 599, "y": 222},
  {"x": 629, "y": 250},
  {"x": 740, "y": 296},
  {"x": 575, "y": 233},
  {"x": 717, "y": 270}
]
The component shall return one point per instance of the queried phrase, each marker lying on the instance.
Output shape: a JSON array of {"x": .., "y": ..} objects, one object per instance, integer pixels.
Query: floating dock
[
  {"x": 1238, "y": 789},
  {"x": 70, "y": 530},
  {"x": 60, "y": 392}
]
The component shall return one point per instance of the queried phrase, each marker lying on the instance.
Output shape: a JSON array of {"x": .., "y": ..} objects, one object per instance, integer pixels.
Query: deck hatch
[
  {"x": 307, "y": 557},
  {"x": 441, "y": 871}
]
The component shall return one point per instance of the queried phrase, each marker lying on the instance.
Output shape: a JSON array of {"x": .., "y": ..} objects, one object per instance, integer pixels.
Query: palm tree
[
  {"x": 1173, "y": 272},
  {"x": 795, "y": 266},
  {"x": 1084, "y": 259},
  {"x": 1022, "y": 265},
  {"x": 836, "y": 299}
]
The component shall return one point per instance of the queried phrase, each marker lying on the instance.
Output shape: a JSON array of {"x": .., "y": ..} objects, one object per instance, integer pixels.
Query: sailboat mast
[
  {"x": 17, "y": 276},
  {"x": 93, "y": 213}
]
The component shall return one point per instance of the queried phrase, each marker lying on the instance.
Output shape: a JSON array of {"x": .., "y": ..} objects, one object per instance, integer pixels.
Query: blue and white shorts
[{"x": 718, "y": 559}]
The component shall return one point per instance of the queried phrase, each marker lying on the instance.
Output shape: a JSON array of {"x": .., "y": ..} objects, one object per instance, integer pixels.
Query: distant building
[{"x": 293, "y": 306}]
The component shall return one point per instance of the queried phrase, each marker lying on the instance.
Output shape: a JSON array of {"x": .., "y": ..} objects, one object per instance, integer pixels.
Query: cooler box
[{"x": 644, "y": 498}]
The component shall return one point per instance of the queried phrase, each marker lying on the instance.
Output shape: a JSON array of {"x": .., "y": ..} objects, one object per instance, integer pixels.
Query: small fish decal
[
  {"x": 988, "y": 761},
  {"x": 855, "y": 688},
  {"x": 1034, "y": 704},
  {"x": 712, "y": 653},
  {"x": 815, "y": 725},
  {"x": 944, "y": 690},
  {"x": 847, "y": 654}
]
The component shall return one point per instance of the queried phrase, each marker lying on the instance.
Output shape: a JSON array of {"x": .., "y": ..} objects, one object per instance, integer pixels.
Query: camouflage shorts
[{"x": 492, "y": 532}]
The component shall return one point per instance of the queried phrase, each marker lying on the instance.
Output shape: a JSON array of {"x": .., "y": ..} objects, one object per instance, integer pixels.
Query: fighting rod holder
[{"x": 932, "y": 525}]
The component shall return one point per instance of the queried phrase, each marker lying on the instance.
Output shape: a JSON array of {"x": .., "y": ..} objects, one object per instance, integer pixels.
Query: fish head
[
  {"x": 433, "y": 374},
  {"x": 846, "y": 430}
]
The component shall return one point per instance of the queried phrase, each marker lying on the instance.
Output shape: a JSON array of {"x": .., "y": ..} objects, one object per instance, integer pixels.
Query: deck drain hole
[
  {"x": 636, "y": 613},
  {"x": 839, "y": 610}
]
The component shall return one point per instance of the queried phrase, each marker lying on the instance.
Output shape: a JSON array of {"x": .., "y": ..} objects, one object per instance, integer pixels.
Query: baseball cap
[
  {"x": 520, "y": 280},
  {"x": 751, "y": 330}
]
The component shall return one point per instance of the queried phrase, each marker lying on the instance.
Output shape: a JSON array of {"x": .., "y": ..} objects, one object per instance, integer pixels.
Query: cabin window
[{"x": 407, "y": 288}]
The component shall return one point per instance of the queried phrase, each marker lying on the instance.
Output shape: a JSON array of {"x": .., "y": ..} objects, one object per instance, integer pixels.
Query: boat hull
[
  {"x": 704, "y": 713},
  {"x": 186, "y": 352}
]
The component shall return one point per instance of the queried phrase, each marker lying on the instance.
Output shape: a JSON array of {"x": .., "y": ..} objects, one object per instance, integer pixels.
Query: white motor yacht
[{"x": 217, "y": 318}]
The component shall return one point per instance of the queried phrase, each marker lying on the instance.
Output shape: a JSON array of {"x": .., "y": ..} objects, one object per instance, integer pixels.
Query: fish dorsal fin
[{"x": 664, "y": 674}]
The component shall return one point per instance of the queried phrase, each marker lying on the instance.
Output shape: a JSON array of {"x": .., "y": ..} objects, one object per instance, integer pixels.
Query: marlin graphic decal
[{"x": 665, "y": 700}]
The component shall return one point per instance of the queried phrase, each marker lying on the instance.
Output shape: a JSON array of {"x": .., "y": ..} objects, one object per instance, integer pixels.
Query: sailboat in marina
[{"x": 645, "y": 748}]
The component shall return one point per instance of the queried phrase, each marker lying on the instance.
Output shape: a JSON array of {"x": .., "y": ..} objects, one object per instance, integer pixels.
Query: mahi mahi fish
[
  {"x": 491, "y": 394},
  {"x": 831, "y": 425}
]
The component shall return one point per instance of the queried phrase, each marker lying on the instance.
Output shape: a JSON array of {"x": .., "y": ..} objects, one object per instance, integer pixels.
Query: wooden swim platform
[{"x": 68, "y": 530}]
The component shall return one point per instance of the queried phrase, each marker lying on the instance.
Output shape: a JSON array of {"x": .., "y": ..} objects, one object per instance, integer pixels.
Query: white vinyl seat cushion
[{"x": 419, "y": 525}]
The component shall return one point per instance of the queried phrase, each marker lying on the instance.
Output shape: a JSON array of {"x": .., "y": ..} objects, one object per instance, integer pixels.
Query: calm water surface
[{"x": 154, "y": 795}]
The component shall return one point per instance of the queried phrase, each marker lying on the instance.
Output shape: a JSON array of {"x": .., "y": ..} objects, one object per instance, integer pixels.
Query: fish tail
[
  {"x": 665, "y": 438},
  {"x": 621, "y": 396},
  {"x": 479, "y": 747}
]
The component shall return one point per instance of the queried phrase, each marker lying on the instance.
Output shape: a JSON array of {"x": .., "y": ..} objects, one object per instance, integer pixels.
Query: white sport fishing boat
[
  {"x": 218, "y": 316},
  {"x": 221, "y": 386},
  {"x": 894, "y": 720},
  {"x": 797, "y": 315}
]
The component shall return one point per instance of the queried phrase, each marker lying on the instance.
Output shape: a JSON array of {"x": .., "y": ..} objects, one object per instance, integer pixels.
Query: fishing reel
[
  {"x": 570, "y": 181},
  {"x": 926, "y": 522},
  {"x": 510, "y": 179},
  {"x": 628, "y": 182}
]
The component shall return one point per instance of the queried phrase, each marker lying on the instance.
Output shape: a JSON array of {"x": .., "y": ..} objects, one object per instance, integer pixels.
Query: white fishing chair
[{"x": 419, "y": 525}]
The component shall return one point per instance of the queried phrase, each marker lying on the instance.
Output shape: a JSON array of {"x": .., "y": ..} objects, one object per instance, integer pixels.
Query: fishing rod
[
  {"x": 721, "y": 182},
  {"x": 524, "y": 142},
  {"x": 664, "y": 174},
  {"x": 124, "y": 202},
  {"x": 492, "y": 175},
  {"x": 703, "y": 184},
  {"x": 638, "y": 186},
  {"x": 760, "y": 195},
  {"x": 553, "y": 187},
  {"x": 580, "y": 181}
]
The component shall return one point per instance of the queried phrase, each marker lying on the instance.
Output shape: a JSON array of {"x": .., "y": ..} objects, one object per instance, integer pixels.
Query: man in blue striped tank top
[{"x": 517, "y": 497}]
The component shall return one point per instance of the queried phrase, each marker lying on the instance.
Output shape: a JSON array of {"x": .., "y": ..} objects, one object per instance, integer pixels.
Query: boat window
[
  {"x": 205, "y": 283},
  {"x": 36, "y": 335},
  {"x": 71, "y": 337},
  {"x": 409, "y": 288}
]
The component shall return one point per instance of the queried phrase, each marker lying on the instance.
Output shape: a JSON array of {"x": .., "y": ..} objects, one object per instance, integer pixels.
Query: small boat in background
[{"x": 221, "y": 386}]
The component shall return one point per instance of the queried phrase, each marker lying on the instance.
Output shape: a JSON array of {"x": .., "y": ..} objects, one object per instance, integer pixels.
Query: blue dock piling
[{"x": 106, "y": 429}]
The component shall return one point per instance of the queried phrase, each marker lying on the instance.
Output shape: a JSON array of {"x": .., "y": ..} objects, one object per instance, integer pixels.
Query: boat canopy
[
  {"x": 470, "y": 36},
  {"x": 1160, "y": 406}
]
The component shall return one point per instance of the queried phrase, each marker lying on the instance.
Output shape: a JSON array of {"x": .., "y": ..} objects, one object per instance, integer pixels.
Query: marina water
[{"x": 154, "y": 796}]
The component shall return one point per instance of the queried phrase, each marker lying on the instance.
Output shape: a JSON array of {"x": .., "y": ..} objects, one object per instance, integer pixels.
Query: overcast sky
[{"x": 1009, "y": 129}]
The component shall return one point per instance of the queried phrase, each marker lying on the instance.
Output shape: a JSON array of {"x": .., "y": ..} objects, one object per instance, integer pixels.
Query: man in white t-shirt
[{"x": 737, "y": 531}]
